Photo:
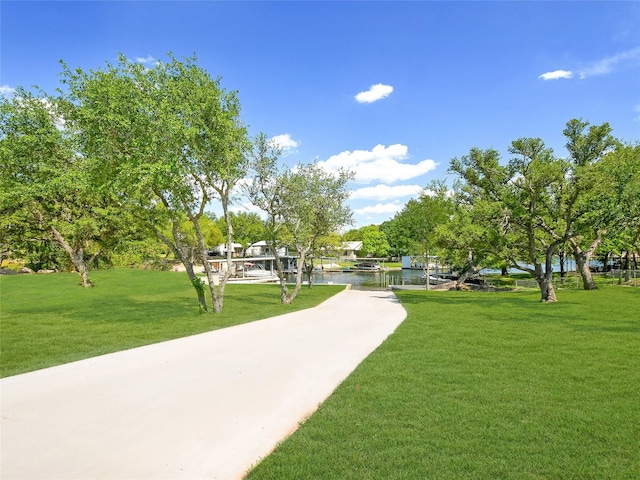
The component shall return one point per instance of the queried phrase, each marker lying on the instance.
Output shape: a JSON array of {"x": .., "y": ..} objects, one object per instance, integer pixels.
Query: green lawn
[
  {"x": 48, "y": 320},
  {"x": 483, "y": 386}
]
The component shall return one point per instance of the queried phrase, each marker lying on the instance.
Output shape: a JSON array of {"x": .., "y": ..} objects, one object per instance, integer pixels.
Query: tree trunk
[
  {"x": 582, "y": 260},
  {"x": 178, "y": 251},
  {"x": 216, "y": 297},
  {"x": 471, "y": 269},
  {"x": 548, "y": 293},
  {"x": 543, "y": 274},
  {"x": 196, "y": 283},
  {"x": 545, "y": 280},
  {"x": 308, "y": 267},
  {"x": 77, "y": 258},
  {"x": 292, "y": 295},
  {"x": 625, "y": 267},
  {"x": 217, "y": 292},
  {"x": 582, "y": 264},
  {"x": 284, "y": 290}
]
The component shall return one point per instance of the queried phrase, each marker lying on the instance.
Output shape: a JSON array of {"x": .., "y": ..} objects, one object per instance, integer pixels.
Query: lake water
[{"x": 368, "y": 279}]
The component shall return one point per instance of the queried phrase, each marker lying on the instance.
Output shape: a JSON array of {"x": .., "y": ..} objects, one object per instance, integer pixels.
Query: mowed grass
[
  {"x": 484, "y": 386},
  {"x": 47, "y": 320}
]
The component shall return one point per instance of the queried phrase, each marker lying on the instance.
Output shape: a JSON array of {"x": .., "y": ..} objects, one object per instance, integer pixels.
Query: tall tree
[
  {"x": 45, "y": 192},
  {"x": 618, "y": 180},
  {"x": 374, "y": 242},
  {"x": 585, "y": 213},
  {"x": 468, "y": 240},
  {"x": 412, "y": 230},
  {"x": 517, "y": 199},
  {"x": 302, "y": 206},
  {"x": 313, "y": 207},
  {"x": 167, "y": 141},
  {"x": 542, "y": 202},
  {"x": 265, "y": 192}
]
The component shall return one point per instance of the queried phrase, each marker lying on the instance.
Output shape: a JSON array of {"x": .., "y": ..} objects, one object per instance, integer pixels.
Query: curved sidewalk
[{"x": 206, "y": 406}]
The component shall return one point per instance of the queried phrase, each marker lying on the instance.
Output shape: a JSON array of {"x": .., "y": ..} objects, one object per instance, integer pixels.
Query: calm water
[{"x": 369, "y": 279}]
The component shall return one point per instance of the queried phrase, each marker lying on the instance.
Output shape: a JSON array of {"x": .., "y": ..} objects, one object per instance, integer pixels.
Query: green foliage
[
  {"x": 617, "y": 179},
  {"x": 45, "y": 190},
  {"x": 313, "y": 203},
  {"x": 374, "y": 242},
  {"x": 209, "y": 231},
  {"x": 477, "y": 385},
  {"x": 165, "y": 141},
  {"x": 412, "y": 230},
  {"x": 536, "y": 204},
  {"x": 465, "y": 241},
  {"x": 303, "y": 205},
  {"x": 145, "y": 252},
  {"x": 248, "y": 227},
  {"x": 352, "y": 235}
]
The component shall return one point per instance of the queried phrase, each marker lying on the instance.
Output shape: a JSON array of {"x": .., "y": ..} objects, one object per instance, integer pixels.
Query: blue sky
[{"x": 393, "y": 90}]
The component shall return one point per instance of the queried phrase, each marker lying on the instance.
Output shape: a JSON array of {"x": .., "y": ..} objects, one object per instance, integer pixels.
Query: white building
[
  {"x": 350, "y": 250},
  {"x": 262, "y": 249},
  {"x": 221, "y": 250}
]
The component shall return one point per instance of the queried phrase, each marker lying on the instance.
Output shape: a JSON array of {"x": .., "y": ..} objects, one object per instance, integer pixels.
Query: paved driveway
[{"x": 206, "y": 406}]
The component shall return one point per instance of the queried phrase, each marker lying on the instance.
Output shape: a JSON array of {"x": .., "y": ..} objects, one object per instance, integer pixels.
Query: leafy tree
[
  {"x": 166, "y": 141},
  {"x": 302, "y": 205},
  {"x": 412, "y": 230},
  {"x": 209, "y": 230},
  {"x": 45, "y": 191},
  {"x": 327, "y": 245},
  {"x": 517, "y": 199},
  {"x": 467, "y": 240},
  {"x": 312, "y": 207},
  {"x": 585, "y": 214},
  {"x": 374, "y": 242},
  {"x": 248, "y": 228},
  {"x": 353, "y": 235},
  {"x": 618, "y": 174},
  {"x": 264, "y": 191},
  {"x": 540, "y": 203}
]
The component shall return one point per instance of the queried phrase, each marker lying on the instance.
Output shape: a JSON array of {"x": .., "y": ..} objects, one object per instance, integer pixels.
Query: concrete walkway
[{"x": 206, "y": 406}]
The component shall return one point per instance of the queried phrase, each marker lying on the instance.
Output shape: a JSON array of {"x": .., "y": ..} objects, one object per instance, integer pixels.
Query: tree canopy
[
  {"x": 125, "y": 151},
  {"x": 45, "y": 190},
  {"x": 166, "y": 141},
  {"x": 303, "y": 205}
]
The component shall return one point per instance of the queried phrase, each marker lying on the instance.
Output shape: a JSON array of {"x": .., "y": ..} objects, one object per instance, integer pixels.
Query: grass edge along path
[
  {"x": 484, "y": 385},
  {"x": 48, "y": 320}
]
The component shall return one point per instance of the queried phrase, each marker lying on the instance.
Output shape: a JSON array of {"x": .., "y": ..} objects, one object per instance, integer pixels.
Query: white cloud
[
  {"x": 556, "y": 74},
  {"x": 380, "y": 208},
  {"x": 601, "y": 67},
  {"x": 285, "y": 143},
  {"x": 383, "y": 164},
  {"x": 248, "y": 207},
  {"x": 148, "y": 60},
  {"x": 385, "y": 192},
  {"x": 6, "y": 90},
  {"x": 606, "y": 65},
  {"x": 375, "y": 93}
]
